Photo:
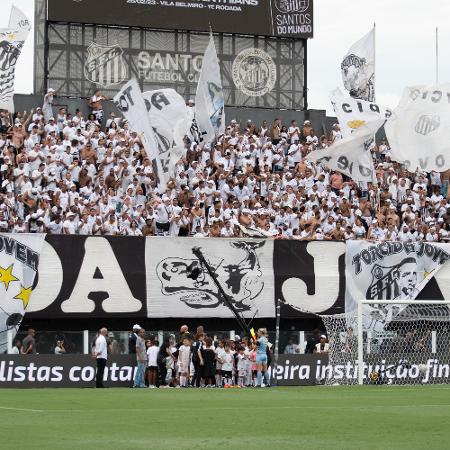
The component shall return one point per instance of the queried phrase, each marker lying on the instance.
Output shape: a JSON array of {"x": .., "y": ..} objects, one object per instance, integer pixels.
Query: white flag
[
  {"x": 358, "y": 68},
  {"x": 419, "y": 128},
  {"x": 209, "y": 100},
  {"x": 170, "y": 120},
  {"x": 11, "y": 43},
  {"x": 131, "y": 103},
  {"x": 352, "y": 113},
  {"x": 351, "y": 155},
  {"x": 19, "y": 21},
  {"x": 19, "y": 260}
]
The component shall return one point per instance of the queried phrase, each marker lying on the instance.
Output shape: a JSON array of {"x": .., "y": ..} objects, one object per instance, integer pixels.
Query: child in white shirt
[
  {"x": 227, "y": 360},
  {"x": 152, "y": 357},
  {"x": 184, "y": 362},
  {"x": 241, "y": 366}
]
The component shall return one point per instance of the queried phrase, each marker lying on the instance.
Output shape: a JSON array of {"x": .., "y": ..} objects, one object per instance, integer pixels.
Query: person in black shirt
[
  {"x": 197, "y": 359},
  {"x": 132, "y": 339},
  {"x": 312, "y": 341}
]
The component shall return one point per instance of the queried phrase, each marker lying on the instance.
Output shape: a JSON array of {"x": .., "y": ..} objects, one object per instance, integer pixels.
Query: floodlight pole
[{"x": 199, "y": 255}]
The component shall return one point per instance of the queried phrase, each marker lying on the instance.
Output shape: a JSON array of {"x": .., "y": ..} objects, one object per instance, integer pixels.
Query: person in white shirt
[
  {"x": 322, "y": 346},
  {"x": 59, "y": 348},
  {"x": 69, "y": 224},
  {"x": 95, "y": 102},
  {"x": 55, "y": 226},
  {"x": 405, "y": 235},
  {"x": 152, "y": 364},
  {"x": 100, "y": 353}
]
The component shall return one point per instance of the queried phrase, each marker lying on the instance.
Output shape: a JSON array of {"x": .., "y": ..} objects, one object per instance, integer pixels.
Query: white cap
[{"x": 136, "y": 327}]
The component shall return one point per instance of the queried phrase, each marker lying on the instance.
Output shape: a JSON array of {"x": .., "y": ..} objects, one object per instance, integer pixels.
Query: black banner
[
  {"x": 399, "y": 368},
  {"x": 65, "y": 371},
  {"x": 299, "y": 370},
  {"x": 110, "y": 276},
  {"x": 309, "y": 276},
  {"x": 84, "y": 276},
  {"x": 40, "y": 371},
  {"x": 285, "y": 18}
]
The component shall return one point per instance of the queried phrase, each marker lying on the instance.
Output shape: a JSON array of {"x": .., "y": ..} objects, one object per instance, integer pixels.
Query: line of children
[{"x": 205, "y": 362}]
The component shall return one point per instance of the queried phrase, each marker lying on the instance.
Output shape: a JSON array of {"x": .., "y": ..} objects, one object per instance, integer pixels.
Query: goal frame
[{"x": 360, "y": 331}]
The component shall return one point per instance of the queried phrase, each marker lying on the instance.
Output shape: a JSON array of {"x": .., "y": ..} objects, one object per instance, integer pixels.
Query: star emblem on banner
[
  {"x": 427, "y": 274},
  {"x": 24, "y": 295},
  {"x": 6, "y": 276}
]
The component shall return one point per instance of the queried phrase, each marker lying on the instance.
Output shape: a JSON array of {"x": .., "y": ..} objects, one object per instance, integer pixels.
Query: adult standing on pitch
[
  {"x": 101, "y": 355},
  {"x": 133, "y": 338},
  {"x": 29, "y": 343},
  {"x": 141, "y": 359},
  {"x": 261, "y": 357}
]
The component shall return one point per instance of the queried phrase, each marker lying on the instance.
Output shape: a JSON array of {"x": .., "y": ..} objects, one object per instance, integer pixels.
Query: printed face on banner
[
  {"x": 358, "y": 78},
  {"x": 217, "y": 101},
  {"x": 188, "y": 288},
  {"x": 241, "y": 280},
  {"x": 389, "y": 271}
]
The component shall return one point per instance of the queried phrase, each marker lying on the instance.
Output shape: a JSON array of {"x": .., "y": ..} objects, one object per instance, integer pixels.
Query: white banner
[
  {"x": 419, "y": 129},
  {"x": 390, "y": 270},
  {"x": 351, "y": 155},
  {"x": 351, "y": 113},
  {"x": 358, "y": 68},
  {"x": 244, "y": 269},
  {"x": 130, "y": 102},
  {"x": 209, "y": 99},
  {"x": 19, "y": 260},
  {"x": 170, "y": 120}
]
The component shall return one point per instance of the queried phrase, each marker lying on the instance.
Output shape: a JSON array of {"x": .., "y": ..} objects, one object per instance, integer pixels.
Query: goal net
[{"x": 389, "y": 342}]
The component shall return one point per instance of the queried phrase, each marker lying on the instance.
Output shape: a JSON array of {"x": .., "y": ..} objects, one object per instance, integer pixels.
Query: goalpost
[{"x": 390, "y": 342}]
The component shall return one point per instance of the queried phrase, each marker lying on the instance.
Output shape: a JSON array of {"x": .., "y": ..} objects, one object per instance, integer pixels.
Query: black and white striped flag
[{"x": 11, "y": 43}]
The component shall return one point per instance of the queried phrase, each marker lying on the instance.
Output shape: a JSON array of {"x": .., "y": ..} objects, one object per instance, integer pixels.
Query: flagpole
[
  {"x": 437, "y": 55},
  {"x": 374, "y": 60}
]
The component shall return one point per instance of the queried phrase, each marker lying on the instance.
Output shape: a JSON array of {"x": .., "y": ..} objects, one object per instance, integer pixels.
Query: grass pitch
[{"x": 370, "y": 417}]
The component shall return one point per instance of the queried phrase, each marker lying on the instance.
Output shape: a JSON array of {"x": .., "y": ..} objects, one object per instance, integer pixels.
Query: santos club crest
[
  {"x": 254, "y": 72},
  {"x": 290, "y": 6},
  {"x": 105, "y": 65}
]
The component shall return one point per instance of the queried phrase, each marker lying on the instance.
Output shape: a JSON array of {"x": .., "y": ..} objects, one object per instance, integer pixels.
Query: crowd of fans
[{"x": 62, "y": 173}]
